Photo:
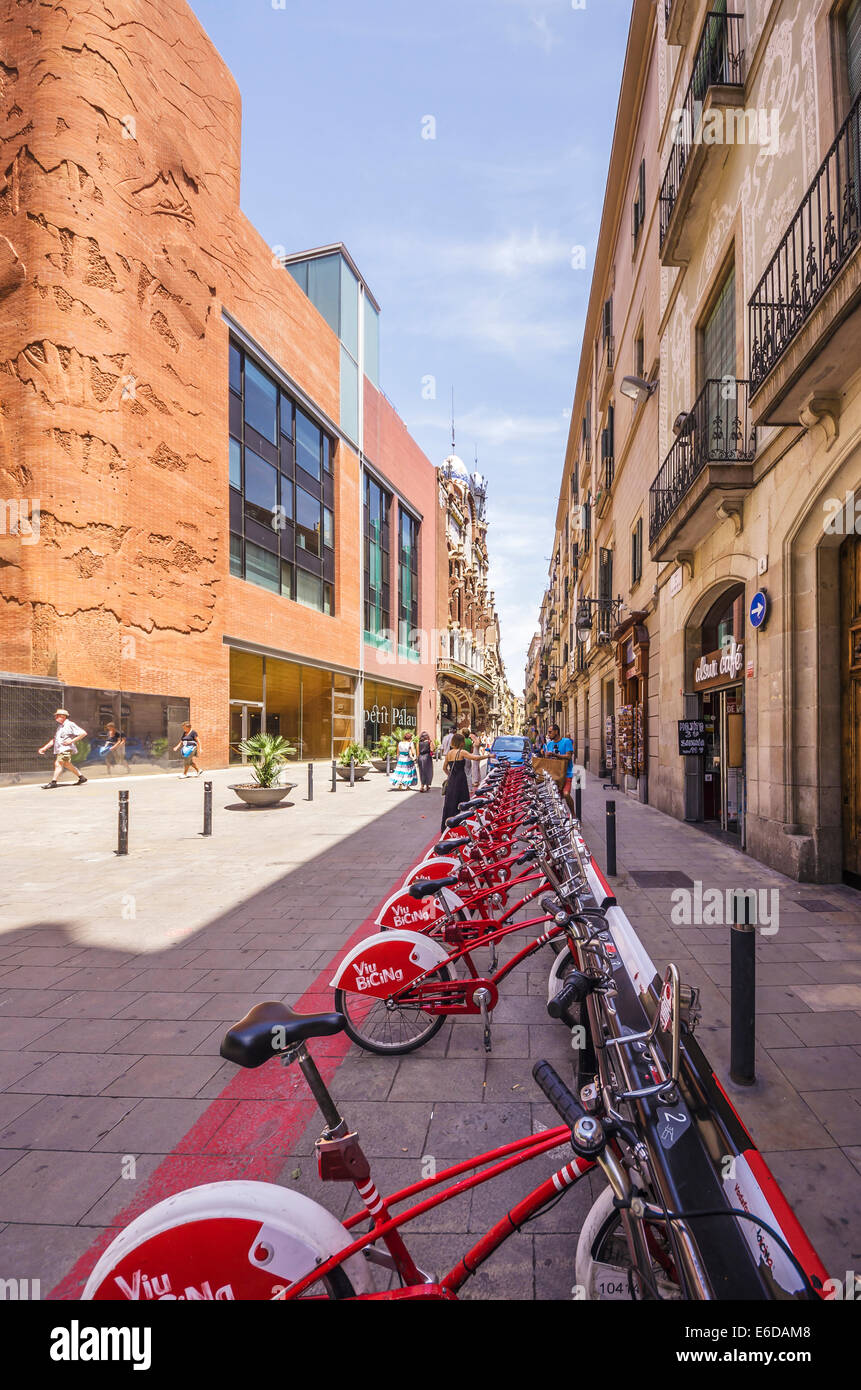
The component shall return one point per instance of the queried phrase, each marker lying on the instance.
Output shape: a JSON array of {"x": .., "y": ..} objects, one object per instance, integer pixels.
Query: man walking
[
  {"x": 65, "y": 743},
  {"x": 560, "y": 748}
]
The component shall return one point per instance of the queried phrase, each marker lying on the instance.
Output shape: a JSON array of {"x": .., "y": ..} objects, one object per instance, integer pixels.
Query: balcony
[
  {"x": 679, "y": 18},
  {"x": 709, "y": 467},
  {"x": 804, "y": 332},
  {"x": 714, "y": 93}
]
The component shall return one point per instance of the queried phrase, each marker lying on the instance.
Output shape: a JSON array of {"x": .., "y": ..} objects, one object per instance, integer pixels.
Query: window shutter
[{"x": 853, "y": 49}]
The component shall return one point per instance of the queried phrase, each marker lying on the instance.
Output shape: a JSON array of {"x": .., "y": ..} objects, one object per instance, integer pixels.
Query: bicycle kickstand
[{"x": 482, "y": 998}]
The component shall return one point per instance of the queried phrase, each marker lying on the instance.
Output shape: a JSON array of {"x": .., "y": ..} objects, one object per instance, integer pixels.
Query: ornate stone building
[
  {"x": 706, "y": 535},
  {"x": 473, "y": 686}
]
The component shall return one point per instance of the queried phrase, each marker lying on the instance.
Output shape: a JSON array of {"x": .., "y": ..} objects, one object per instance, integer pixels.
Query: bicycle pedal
[{"x": 487, "y": 1043}]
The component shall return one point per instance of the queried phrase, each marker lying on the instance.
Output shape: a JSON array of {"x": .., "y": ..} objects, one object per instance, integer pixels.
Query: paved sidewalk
[
  {"x": 804, "y": 1110},
  {"x": 119, "y": 976}
]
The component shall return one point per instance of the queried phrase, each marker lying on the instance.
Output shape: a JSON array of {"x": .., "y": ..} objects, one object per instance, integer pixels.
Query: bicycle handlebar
[{"x": 564, "y": 1102}]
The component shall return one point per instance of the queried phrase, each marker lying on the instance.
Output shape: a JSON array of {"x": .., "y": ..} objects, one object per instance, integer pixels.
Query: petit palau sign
[{"x": 722, "y": 667}]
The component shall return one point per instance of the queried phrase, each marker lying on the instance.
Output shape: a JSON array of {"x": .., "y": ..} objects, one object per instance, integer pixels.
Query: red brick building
[{"x": 191, "y": 430}]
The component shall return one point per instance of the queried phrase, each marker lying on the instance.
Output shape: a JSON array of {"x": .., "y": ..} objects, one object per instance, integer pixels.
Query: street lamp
[
  {"x": 585, "y": 608},
  {"x": 636, "y": 388}
]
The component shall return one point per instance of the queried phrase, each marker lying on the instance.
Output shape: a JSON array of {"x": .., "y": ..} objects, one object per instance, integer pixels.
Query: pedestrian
[
  {"x": 404, "y": 776},
  {"x": 114, "y": 748},
  {"x": 446, "y": 742},
  {"x": 456, "y": 761},
  {"x": 65, "y": 743},
  {"x": 189, "y": 747},
  {"x": 427, "y": 748},
  {"x": 556, "y": 747}
]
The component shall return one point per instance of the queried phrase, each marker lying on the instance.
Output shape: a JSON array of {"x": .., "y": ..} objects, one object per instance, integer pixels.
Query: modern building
[
  {"x": 211, "y": 511},
  {"x": 473, "y": 687},
  {"x": 706, "y": 520}
]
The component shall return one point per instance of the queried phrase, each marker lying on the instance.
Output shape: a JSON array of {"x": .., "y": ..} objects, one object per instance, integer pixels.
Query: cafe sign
[{"x": 722, "y": 667}]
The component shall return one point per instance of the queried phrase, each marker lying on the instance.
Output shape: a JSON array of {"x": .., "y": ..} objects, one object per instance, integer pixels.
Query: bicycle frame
[{"x": 385, "y": 1227}]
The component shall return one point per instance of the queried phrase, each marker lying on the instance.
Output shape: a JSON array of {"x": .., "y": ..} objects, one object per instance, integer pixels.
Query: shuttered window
[
  {"x": 718, "y": 335},
  {"x": 853, "y": 49}
]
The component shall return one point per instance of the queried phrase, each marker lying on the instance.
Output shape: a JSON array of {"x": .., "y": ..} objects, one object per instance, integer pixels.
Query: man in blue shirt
[{"x": 556, "y": 747}]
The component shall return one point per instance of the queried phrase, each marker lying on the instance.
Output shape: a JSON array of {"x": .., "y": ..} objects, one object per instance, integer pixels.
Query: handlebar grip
[
  {"x": 564, "y": 1102},
  {"x": 573, "y": 991}
]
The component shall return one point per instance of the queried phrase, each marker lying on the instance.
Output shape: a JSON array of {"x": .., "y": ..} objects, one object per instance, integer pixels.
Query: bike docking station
[{"x": 687, "y": 1210}]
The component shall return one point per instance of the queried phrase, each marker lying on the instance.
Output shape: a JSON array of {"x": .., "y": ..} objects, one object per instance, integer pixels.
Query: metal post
[
  {"x": 388, "y": 764},
  {"x": 123, "y": 824},
  {"x": 578, "y": 802},
  {"x": 334, "y": 786},
  {"x": 611, "y": 837},
  {"x": 742, "y": 944},
  {"x": 352, "y": 772},
  {"x": 310, "y": 781},
  {"x": 207, "y": 808}
]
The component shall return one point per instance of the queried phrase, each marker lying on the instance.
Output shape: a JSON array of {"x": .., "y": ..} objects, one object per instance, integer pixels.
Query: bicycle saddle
[
  {"x": 447, "y": 846},
  {"x": 267, "y": 1029},
  {"x": 423, "y": 887}
]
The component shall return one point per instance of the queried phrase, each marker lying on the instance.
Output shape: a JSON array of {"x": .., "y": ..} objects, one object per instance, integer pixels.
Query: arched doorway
[
  {"x": 715, "y": 780},
  {"x": 448, "y": 715}
]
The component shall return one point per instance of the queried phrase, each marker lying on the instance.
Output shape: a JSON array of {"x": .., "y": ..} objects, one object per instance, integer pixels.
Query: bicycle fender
[
  {"x": 435, "y": 867},
  {"x": 382, "y": 964},
  {"x": 402, "y": 911}
]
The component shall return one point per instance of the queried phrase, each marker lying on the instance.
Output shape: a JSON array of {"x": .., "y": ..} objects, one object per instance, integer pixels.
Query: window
[
  {"x": 607, "y": 320},
  {"x": 639, "y": 212},
  {"x": 408, "y": 584},
  {"x": 376, "y": 529},
  {"x": 372, "y": 343},
  {"x": 308, "y": 445},
  {"x": 852, "y": 39},
  {"x": 349, "y": 395},
  {"x": 261, "y": 402},
  {"x": 308, "y": 521},
  {"x": 281, "y": 494},
  {"x": 637, "y": 553},
  {"x": 717, "y": 341}
]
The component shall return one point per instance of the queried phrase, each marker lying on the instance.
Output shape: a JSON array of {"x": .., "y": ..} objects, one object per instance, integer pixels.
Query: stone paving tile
[
  {"x": 163, "y": 1076},
  {"x": 839, "y": 1111},
  {"x": 44, "y": 1252},
  {"x": 166, "y": 1005},
  {"x": 825, "y": 998},
  {"x": 86, "y": 1035},
  {"x": 823, "y": 1068},
  {"x": 13, "y": 1066},
  {"x": 825, "y": 1029},
  {"x": 54, "y": 1188},
  {"x": 64, "y": 1122},
  {"x": 126, "y": 1190},
  {"x": 826, "y": 1198},
  {"x": 418, "y": 1078},
  {"x": 92, "y": 1004},
  {"x": 72, "y": 1074},
  {"x": 158, "y": 1125},
  {"x": 169, "y": 1036},
  {"x": 18, "y": 1033},
  {"x": 24, "y": 1003}
]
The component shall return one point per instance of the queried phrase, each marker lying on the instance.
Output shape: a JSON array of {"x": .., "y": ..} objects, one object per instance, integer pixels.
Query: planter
[
  {"x": 380, "y": 764},
  {"x": 361, "y": 770},
  {"x": 253, "y": 795}
]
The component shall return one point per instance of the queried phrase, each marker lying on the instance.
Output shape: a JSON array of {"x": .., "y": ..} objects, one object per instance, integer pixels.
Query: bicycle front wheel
[{"x": 389, "y": 1026}]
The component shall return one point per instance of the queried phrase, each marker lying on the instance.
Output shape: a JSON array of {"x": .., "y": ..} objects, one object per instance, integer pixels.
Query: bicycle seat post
[{"x": 335, "y": 1123}]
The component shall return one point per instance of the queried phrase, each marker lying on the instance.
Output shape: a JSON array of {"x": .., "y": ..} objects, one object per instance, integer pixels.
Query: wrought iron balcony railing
[
  {"x": 609, "y": 350},
  {"x": 716, "y": 430},
  {"x": 609, "y": 471},
  {"x": 819, "y": 241},
  {"x": 719, "y": 62}
]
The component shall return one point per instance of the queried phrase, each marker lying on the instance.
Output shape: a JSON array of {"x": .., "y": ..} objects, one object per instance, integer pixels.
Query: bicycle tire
[{"x": 343, "y": 1000}]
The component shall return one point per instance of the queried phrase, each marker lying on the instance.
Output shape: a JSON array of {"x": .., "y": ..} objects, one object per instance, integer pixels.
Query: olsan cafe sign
[{"x": 722, "y": 667}]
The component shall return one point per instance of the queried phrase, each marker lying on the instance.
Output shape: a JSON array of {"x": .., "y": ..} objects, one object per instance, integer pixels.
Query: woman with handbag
[
  {"x": 456, "y": 786},
  {"x": 427, "y": 748},
  {"x": 404, "y": 775}
]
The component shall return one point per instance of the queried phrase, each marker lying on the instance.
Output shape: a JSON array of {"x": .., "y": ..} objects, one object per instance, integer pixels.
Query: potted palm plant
[
  {"x": 267, "y": 755},
  {"x": 386, "y": 748},
  {"x": 358, "y": 754}
]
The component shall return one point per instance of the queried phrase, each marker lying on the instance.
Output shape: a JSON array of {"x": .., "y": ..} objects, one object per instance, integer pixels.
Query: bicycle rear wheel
[{"x": 389, "y": 1026}]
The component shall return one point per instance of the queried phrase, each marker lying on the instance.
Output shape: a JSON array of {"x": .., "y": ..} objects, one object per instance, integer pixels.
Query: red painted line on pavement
[{"x": 248, "y": 1130}]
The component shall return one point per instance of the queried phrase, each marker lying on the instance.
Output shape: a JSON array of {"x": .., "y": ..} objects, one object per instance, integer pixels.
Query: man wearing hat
[{"x": 65, "y": 744}]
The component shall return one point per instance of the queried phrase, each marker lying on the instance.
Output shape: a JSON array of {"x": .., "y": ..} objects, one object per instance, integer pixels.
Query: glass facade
[
  {"x": 388, "y": 707},
  {"x": 408, "y": 585},
  {"x": 282, "y": 490},
  {"x": 309, "y": 706},
  {"x": 377, "y": 588}
]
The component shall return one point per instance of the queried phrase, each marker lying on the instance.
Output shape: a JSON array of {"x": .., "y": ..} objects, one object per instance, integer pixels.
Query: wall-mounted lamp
[{"x": 637, "y": 388}]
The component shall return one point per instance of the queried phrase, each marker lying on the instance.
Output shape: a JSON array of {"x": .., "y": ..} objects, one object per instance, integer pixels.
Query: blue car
[{"x": 511, "y": 747}]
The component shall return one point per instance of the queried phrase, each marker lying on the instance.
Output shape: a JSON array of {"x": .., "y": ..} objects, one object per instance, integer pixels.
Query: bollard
[
  {"x": 742, "y": 946},
  {"x": 578, "y": 803},
  {"x": 310, "y": 781},
  {"x": 388, "y": 764},
  {"x": 207, "y": 808},
  {"x": 123, "y": 824},
  {"x": 334, "y": 786},
  {"x": 611, "y": 837},
  {"x": 352, "y": 772}
]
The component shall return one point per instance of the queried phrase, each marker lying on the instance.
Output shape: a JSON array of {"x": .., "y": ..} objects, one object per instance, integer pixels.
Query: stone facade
[{"x": 690, "y": 499}]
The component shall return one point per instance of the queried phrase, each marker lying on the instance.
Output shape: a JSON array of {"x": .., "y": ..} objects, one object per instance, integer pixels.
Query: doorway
[
  {"x": 850, "y": 705},
  {"x": 246, "y": 719},
  {"x": 723, "y": 763}
]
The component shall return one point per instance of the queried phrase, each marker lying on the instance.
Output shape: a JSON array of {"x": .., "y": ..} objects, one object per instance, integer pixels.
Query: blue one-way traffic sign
[{"x": 758, "y": 611}]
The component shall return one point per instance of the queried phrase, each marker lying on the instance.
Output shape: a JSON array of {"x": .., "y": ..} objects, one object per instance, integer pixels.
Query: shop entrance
[
  {"x": 723, "y": 764},
  {"x": 246, "y": 719},
  {"x": 850, "y": 701}
]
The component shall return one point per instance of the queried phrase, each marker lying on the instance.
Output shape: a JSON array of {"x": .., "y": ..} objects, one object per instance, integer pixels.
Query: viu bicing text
[
  {"x": 718, "y": 907},
  {"x": 20, "y": 516}
]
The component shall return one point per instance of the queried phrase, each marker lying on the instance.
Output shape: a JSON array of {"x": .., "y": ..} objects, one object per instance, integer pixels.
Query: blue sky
[{"x": 465, "y": 239}]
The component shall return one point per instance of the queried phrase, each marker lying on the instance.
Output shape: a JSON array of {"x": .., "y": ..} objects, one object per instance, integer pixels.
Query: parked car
[{"x": 511, "y": 747}]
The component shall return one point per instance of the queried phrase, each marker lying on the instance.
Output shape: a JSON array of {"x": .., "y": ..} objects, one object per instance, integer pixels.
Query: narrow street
[{"x": 110, "y": 1024}]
